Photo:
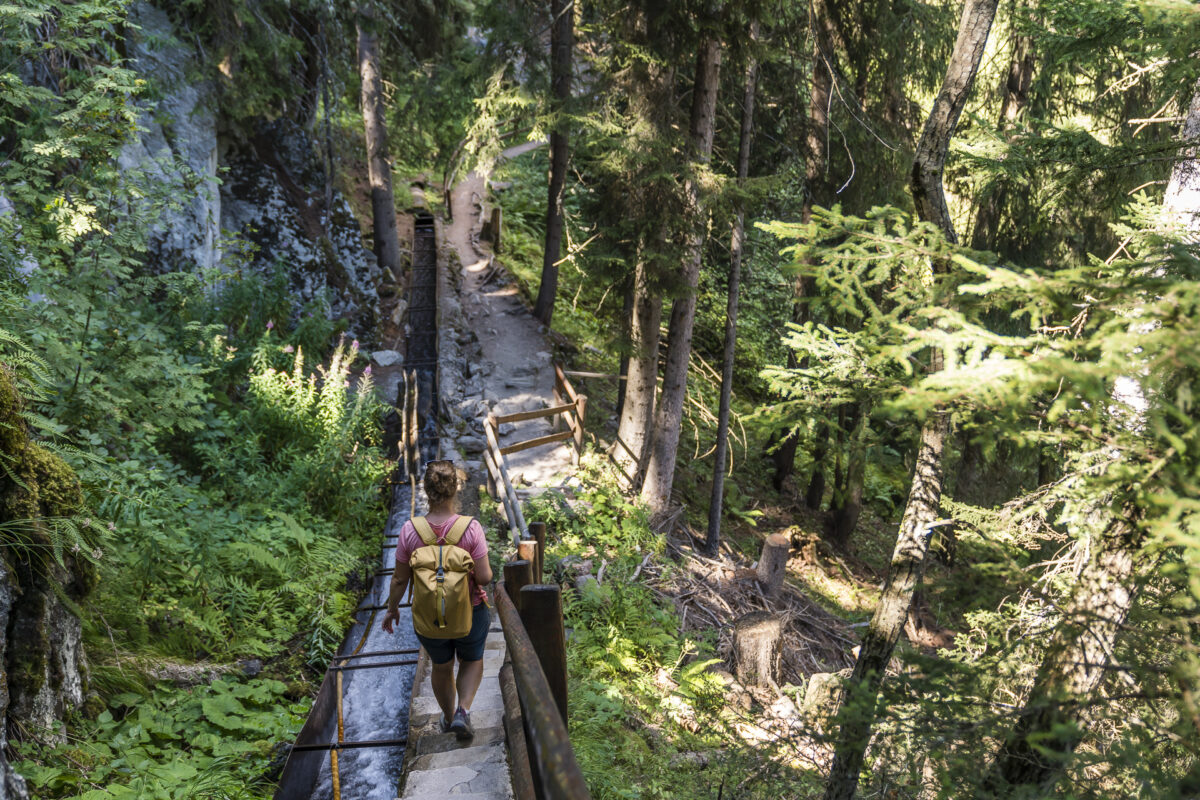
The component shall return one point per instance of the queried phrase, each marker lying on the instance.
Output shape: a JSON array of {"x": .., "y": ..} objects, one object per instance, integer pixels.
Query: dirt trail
[{"x": 516, "y": 372}]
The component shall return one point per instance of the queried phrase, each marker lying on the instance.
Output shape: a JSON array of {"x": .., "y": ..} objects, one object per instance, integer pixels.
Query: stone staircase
[{"x": 438, "y": 766}]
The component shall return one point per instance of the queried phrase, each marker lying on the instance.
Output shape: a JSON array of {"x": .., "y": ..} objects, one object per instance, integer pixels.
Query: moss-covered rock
[{"x": 42, "y": 650}]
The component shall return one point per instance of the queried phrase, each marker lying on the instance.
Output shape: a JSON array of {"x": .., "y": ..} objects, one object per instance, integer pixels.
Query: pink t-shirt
[{"x": 473, "y": 541}]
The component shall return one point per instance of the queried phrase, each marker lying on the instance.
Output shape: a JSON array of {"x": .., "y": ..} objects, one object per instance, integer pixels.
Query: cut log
[
  {"x": 772, "y": 566},
  {"x": 822, "y": 697},
  {"x": 756, "y": 648}
]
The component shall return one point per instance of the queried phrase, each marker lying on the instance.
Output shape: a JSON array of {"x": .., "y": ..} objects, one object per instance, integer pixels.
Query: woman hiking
[{"x": 439, "y": 569}]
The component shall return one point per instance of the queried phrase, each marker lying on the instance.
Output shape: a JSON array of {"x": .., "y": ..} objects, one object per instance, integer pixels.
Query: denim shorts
[{"x": 469, "y": 647}]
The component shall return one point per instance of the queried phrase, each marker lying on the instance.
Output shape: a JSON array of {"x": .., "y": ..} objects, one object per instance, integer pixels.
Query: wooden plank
[
  {"x": 561, "y": 436},
  {"x": 573, "y": 373},
  {"x": 567, "y": 389},
  {"x": 489, "y": 429},
  {"x": 521, "y": 416}
]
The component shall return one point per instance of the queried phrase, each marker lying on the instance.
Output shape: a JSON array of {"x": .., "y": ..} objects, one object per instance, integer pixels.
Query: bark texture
[
  {"x": 737, "y": 243},
  {"x": 930, "y": 158},
  {"x": 1045, "y": 734},
  {"x": 637, "y": 404},
  {"x": 912, "y": 542},
  {"x": 648, "y": 87},
  {"x": 756, "y": 648},
  {"x": 848, "y": 502},
  {"x": 668, "y": 419},
  {"x": 772, "y": 564},
  {"x": 379, "y": 168},
  {"x": 562, "y": 36}
]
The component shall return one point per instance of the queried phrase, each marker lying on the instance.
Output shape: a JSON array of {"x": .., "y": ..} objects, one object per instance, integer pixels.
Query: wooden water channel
[{"x": 352, "y": 746}]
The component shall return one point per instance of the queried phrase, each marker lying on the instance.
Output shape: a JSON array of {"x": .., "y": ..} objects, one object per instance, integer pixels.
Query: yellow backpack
[{"x": 441, "y": 598}]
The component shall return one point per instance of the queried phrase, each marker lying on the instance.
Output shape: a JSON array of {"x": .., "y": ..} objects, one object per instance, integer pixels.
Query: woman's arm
[
  {"x": 400, "y": 578},
  {"x": 483, "y": 571}
]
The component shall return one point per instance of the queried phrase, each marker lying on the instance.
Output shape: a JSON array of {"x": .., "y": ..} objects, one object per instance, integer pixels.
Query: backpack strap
[
  {"x": 455, "y": 534},
  {"x": 424, "y": 530}
]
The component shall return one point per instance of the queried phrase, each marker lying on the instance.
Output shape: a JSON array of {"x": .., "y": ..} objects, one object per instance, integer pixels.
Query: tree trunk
[
  {"x": 816, "y": 482},
  {"x": 637, "y": 406},
  {"x": 649, "y": 92},
  {"x": 712, "y": 540},
  {"x": 1045, "y": 735},
  {"x": 379, "y": 170},
  {"x": 912, "y": 543},
  {"x": 930, "y": 158},
  {"x": 756, "y": 648},
  {"x": 816, "y": 140},
  {"x": 772, "y": 564},
  {"x": 623, "y": 364},
  {"x": 660, "y": 470},
  {"x": 847, "y": 508},
  {"x": 562, "y": 34}
]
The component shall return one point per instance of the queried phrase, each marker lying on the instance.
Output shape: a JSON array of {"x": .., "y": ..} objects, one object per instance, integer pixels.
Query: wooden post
[
  {"x": 580, "y": 412},
  {"x": 514, "y": 731},
  {"x": 756, "y": 648},
  {"x": 527, "y": 551},
  {"x": 772, "y": 565},
  {"x": 517, "y": 575},
  {"x": 541, "y": 613},
  {"x": 538, "y": 531},
  {"x": 496, "y": 216}
]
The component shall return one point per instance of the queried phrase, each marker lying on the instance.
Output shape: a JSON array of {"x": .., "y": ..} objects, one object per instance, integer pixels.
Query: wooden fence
[
  {"x": 570, "y": 408},
  {"x": 533, "y": 680}
]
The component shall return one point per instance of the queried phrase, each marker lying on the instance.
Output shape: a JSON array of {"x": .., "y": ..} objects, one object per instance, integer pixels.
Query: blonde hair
[{"x": 441, "y": 481}]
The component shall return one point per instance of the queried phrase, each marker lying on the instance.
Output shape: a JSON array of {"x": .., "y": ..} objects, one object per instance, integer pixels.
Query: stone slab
[
  {"x": 442, "y": 742},
  {"x": 489, "y": 779}
]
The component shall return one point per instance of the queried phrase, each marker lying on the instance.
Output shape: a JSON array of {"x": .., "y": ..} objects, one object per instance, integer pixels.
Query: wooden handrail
[
  {"x": 551, "y": 438},
  {"x": 495, "y": 455},
  {"x": 556, "y": 768},
  {"x": 522, "y": 416}
]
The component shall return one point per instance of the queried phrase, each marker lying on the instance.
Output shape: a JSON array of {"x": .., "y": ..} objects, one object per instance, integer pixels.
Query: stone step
[{"x": 488, "y": 779}]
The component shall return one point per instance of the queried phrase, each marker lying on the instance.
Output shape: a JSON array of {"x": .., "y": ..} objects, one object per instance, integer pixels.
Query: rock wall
[
  {"x": 44, "y": 664},
  {"x": 230, "y": 184}
]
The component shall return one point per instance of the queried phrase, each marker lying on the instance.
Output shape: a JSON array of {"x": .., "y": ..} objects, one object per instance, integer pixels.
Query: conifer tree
[
  {"x": 562, "y": 34},
  {"x": 383, "y": 202},
  {"x": 737, "y": 245},
  {"x": 921, "y": 512},
  {"x": 668, "y": 422},
  {"x": 1046, "y": 731}
]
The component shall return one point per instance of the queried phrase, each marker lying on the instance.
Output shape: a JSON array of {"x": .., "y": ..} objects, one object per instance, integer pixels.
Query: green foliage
[
  {"x": 213, "y": 742},
  {"x": 641, "y": 693}
]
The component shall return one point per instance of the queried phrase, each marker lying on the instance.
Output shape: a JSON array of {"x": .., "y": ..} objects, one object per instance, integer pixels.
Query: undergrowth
[{"x": 648, "y": 713}]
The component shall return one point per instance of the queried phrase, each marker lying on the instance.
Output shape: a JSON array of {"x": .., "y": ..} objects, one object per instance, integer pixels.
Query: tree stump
[
  {"x": 822, "y": 697},
  {"x": 756, "y": 648},
  {"x": 772, "y": 565}
]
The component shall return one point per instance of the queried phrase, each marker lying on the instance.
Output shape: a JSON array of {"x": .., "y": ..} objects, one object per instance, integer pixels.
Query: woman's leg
[
  {"x": 470, "y": 656},
  {"x": 470, "y": 675},
  {"x": 442, "y": 679}
]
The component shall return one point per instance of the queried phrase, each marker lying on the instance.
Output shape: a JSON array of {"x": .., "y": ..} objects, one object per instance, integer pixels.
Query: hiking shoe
[
  {"x": 461, "y": 725},
  {"x": 445, "y": 723}
]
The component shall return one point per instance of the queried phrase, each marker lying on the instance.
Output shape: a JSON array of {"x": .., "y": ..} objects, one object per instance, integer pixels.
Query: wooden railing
[
  {"x": 533, "y": 680},
  {"x": 569, "y": 407}
]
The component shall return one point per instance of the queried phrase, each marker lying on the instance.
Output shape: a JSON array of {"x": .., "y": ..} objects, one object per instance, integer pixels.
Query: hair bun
[{"x": 441, "y": 481}]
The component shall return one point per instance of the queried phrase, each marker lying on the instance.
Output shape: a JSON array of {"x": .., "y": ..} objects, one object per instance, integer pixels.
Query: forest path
[
  {"x": 514, "y": 372},
  {"x": 517, "y": 367}
]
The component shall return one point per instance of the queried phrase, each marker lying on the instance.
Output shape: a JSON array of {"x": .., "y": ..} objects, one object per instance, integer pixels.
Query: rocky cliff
[{"x": 241, "y": 193}]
